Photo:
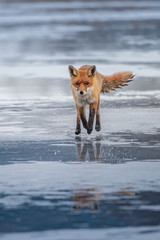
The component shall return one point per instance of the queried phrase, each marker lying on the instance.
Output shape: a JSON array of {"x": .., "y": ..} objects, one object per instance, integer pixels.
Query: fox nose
[{"x": 81, "y": 92}]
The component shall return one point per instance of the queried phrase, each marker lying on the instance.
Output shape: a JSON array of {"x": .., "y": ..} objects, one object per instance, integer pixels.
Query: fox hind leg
[{"x": 98, "y": 122}]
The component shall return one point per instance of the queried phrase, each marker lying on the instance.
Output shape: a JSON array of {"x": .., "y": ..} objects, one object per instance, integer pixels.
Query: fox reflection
[
  {"x": 88, "y": 148},
  {"x": 89, "y": 198},
  {"x": 86, "y": 199}
]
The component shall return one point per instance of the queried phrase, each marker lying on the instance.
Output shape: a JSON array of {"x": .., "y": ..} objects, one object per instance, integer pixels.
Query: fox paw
[
  {"x": 98, "y": 128},
  {"x": 89, "y": 130},
  {"x": 78, "y": 131}
]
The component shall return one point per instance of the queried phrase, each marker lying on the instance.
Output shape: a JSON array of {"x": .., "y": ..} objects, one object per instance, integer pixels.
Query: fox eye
[
  {"x": 86, "y": 83},
  {"x": 77, "y": 83}
]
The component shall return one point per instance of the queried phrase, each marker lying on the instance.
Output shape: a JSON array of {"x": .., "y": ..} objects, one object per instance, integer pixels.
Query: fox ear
[
  {"x": 92, "y": 71},
  {"x": 72, "y": 71}
]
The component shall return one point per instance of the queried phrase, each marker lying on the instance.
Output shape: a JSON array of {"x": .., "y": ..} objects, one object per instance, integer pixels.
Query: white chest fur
[{"x": 86, "y": 98}]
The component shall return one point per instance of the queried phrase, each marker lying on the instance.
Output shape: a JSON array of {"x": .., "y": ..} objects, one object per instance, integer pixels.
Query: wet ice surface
[
  {"x": 46, "y": 129},
  {"x": 56, "y": 185},
  {"x": 68, "y": 187}
]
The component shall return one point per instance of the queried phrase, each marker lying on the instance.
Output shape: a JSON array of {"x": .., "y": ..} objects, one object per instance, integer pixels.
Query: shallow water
[{"x": 56, "y": 185}]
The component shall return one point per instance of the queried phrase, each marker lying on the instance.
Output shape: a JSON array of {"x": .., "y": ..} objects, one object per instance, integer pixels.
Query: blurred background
[{"x": 39, "y": 39}]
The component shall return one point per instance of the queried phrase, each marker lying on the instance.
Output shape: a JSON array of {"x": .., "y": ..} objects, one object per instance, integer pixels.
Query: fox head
[{"x": 82, "y": 79}]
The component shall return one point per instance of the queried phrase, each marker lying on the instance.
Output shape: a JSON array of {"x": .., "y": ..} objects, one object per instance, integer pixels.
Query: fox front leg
[
  {"x": 78, "y": 122},
  {"x": 78, "y": 125},
  {"x": 81, "y": 116},
  {"x": 92, "y": 111}
]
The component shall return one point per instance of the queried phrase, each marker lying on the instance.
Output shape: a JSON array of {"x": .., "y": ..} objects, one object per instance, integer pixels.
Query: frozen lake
[{"x": 54, "y": 185}]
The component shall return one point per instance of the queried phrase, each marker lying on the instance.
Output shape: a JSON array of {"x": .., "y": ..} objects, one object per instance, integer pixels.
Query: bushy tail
[{"x": 116, "y": 81}]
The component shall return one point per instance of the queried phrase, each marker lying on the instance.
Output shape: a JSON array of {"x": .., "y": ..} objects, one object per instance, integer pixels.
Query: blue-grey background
[{"x": 56, "y": 186}]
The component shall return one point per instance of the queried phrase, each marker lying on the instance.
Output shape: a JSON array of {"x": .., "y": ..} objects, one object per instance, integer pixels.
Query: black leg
[
  {"x": 78, "y": 126},
  {"x": 91, "y": 120},
  {"x": 98, "y": 124}
]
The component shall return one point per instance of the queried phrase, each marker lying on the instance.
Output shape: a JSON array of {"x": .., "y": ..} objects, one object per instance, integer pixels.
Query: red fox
[{"x": 87, "y": 84}]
